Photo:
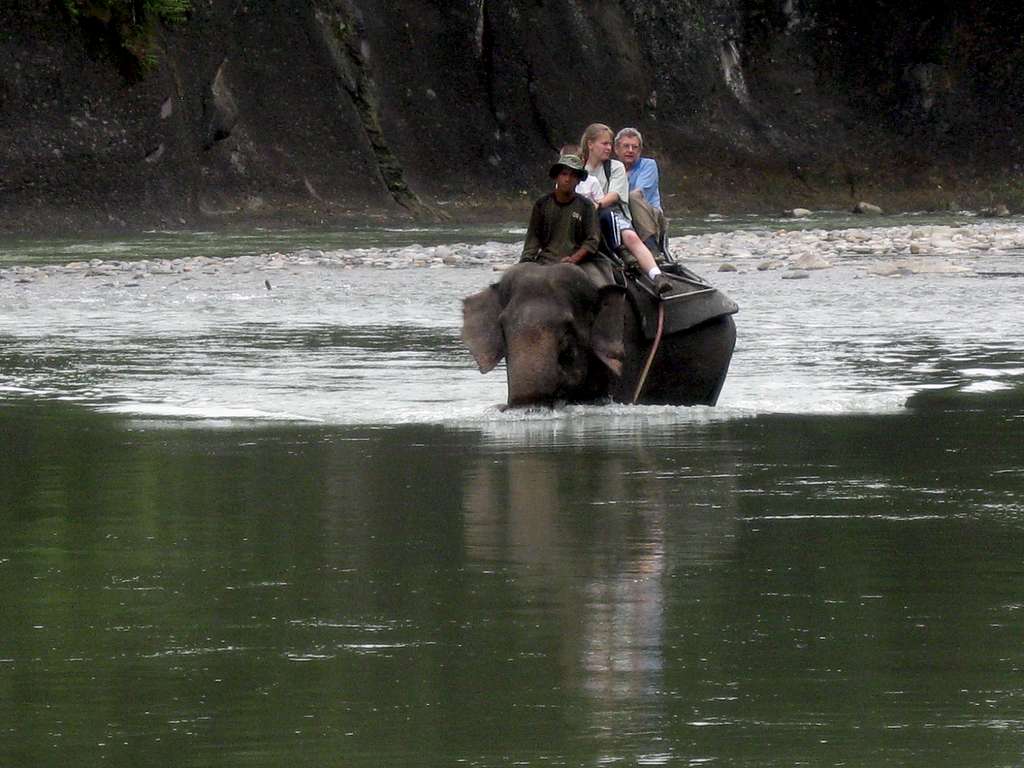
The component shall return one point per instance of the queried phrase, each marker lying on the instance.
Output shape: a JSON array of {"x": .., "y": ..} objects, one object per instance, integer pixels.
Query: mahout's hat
[{"x": 572, "y": 162}]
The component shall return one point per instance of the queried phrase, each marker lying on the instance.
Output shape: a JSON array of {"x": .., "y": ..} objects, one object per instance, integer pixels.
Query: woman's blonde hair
[{"x": 592, "y": 132}]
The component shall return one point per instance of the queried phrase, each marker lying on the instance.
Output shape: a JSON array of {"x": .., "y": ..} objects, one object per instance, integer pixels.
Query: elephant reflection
[{"x": 596, "y": 535}]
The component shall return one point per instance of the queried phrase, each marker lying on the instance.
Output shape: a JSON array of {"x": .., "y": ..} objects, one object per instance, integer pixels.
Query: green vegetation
[
  {"x": 137, "y": 12},
  {"x": 127, "y": 27}
]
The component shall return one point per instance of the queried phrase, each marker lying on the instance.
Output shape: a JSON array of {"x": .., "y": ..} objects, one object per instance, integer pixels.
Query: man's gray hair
[{"x": 629, "y": 132}]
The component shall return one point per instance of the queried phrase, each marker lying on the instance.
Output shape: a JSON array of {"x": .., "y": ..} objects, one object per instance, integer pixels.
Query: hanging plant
[{"x": 127, "y": 27}]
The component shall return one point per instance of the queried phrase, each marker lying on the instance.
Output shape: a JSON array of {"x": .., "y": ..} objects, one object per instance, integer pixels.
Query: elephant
[{"x": 565, "y": 340}]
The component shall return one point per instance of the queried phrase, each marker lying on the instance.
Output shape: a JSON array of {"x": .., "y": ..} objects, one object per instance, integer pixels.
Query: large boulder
[{"x": 867, "y": 208}]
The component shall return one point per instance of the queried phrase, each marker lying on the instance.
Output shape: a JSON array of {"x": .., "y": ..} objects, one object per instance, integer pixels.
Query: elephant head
[{"x": 561, "y": 337}]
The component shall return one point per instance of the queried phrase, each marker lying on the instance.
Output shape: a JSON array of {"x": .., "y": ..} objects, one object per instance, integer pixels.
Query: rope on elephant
[{"x": 652, "y": 353}]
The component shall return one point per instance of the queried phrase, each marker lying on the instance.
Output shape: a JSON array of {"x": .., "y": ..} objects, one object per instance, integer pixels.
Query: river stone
[
  {"x": 737, "y": 253},
  {"x": 811, "y": 261},
  {"x": 727, "y": 267},
  {"x": 868, "y": 208},
  {"x": 796, "y": 213},
  {"x": 996, "y": 211},
  {"x": 796, "y": 275},
  {"x": 943, "y": 246},
  {"x": 446, "y": 255}
]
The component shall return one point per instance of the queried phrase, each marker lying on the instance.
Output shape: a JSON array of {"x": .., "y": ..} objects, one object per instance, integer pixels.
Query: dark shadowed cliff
[{"x": 314, "y": 110}]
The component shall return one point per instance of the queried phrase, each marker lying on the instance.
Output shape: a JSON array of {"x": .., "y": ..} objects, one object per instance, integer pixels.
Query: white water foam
[
  {"x": 986, "y": 386},
  {"x": 993, "y": 372},
  {"x": 212, "y": 411}
]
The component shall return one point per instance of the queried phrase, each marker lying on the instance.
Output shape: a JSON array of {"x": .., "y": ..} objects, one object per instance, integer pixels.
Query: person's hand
[{"x": 572, "y": 258}]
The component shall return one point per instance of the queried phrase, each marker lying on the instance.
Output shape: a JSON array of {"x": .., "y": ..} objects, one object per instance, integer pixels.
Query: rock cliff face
[{"x": 310, "y": 110}]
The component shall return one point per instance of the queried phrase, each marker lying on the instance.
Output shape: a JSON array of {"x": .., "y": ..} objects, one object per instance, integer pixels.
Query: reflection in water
[
  {"x": 568, "y": 589},
  {"x": 597, "y": 534}
]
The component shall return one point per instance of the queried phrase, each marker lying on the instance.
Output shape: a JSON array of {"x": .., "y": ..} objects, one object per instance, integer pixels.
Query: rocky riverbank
[
  {"x": 867, "y": 251},
  {"x": 878, "y": 251}
]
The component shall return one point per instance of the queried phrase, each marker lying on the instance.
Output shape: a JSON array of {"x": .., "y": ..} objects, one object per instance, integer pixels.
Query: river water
[{"x": 254, "y": 526}]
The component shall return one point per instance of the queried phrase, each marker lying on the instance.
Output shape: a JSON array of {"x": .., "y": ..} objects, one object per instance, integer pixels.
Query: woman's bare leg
[
  {"x": 645, "y": 259},
  {"x": 640, "y": 252}
]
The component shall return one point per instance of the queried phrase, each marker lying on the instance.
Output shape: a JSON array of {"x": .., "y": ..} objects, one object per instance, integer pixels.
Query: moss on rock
[{"x": 127, "y": 28}]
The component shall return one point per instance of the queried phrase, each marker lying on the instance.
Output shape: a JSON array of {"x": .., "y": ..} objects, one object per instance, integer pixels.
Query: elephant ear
[
  {"x": 606, "y": 334},
  {"x": 481, "y": 328}
]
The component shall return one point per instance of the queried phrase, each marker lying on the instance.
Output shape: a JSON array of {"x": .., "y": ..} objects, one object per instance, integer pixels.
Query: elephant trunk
[{"x": 534, "y": 375}]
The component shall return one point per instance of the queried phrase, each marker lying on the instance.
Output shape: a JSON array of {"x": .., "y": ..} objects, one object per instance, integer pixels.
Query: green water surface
[{"x": 771, "y": 591}]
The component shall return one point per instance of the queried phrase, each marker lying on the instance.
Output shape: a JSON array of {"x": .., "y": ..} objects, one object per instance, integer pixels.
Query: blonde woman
[{"x": 613, "y": 207}]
